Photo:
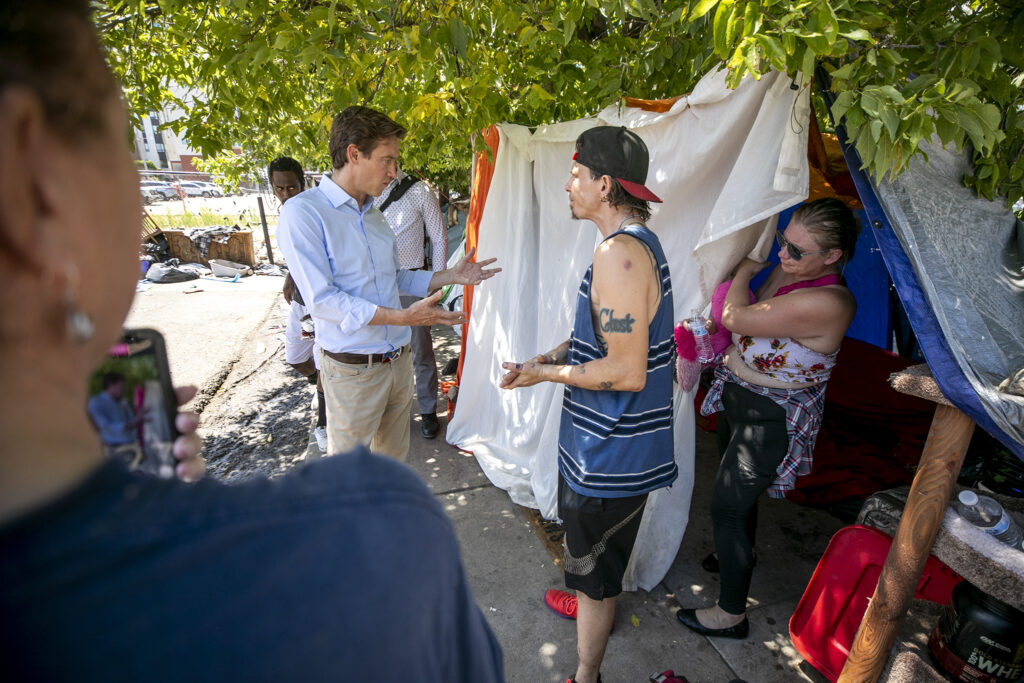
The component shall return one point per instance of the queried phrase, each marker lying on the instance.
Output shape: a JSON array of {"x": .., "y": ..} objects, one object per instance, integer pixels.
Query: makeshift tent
[{"x": 726, "y": 162}]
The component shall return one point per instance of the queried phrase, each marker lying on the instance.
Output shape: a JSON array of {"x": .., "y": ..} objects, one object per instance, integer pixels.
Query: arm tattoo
[
  {"x": 605, "y": 386},
  {"x": 610, "y": 324},
  {"x": 581, "y": 370}
]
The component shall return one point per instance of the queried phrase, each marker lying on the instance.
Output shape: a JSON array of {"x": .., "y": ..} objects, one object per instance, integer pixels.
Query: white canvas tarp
[{"x": 725, "y": 162}]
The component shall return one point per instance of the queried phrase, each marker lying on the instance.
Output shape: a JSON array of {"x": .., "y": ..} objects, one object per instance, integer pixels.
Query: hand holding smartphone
[{"x": 133, "y": 406}]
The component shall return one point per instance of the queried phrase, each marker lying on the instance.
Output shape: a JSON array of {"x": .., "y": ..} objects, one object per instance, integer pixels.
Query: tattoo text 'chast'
[{"x": 611, "y": 324}]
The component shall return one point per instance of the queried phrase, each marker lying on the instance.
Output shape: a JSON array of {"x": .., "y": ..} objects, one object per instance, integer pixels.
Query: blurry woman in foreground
[
  {"x": 770, "y": 391},
  {"x": 69, "y": 233},
  {"x": 110, "y": 575}
]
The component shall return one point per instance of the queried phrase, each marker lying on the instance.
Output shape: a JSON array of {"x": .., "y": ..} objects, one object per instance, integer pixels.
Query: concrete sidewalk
[{"x": 509, "y": 568}]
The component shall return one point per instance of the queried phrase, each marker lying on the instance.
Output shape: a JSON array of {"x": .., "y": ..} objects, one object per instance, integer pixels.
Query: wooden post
[
  {"x": 943, "y": 455},
  {"x": 266, "y": 232}
]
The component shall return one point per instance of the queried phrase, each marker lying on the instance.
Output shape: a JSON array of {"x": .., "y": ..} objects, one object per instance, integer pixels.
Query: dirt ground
[
  {"x": 259, "y": 420},
  {"x": 255, "y": 413}
]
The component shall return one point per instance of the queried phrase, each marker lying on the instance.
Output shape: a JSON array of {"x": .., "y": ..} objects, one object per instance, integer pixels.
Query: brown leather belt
[{"x": 366, "y": 359}]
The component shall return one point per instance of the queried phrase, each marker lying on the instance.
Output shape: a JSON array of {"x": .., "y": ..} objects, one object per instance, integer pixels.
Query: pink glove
[{"x": 687, "y": 367}]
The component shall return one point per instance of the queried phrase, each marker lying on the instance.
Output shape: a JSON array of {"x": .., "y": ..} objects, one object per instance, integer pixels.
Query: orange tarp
[{"x": 478, "y": 198}]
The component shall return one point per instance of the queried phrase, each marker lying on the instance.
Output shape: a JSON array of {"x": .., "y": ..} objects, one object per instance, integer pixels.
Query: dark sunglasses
[{"x": 795, "y": 252}]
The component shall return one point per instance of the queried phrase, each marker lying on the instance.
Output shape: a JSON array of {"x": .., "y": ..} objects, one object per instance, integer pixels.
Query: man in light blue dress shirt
[
  {"x": 111, "y": 414},
  {"x": 341, "y": 254}
]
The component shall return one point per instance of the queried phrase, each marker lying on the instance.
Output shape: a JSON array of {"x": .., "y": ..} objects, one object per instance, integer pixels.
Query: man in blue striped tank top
[{"x": 615, "y": 439}]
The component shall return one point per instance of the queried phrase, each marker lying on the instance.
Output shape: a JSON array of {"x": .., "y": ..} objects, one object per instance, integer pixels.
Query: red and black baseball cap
[{"x": 618, "y": 152}]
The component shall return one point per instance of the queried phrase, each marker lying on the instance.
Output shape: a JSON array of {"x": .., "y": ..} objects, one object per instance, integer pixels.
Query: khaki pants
[
  {"x": 368, "y": 405},
  {"x": 424, "y": 365}
]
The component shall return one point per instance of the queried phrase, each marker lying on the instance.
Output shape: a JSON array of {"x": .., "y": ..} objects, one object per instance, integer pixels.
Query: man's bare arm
[
  {"x": 623, "y": 281},
  {"x": 557, "y": 355}
]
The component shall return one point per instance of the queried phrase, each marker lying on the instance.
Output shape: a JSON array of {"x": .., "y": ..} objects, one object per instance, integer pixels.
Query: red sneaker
[
  {"x": 561, "y": 603},
  {"x": 668, "y": 677}
]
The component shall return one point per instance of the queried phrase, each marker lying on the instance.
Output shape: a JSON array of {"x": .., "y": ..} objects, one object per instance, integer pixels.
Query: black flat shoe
[
  {"x": 688, "y": 618},
  {"x": 710, "y": 563},
  {"x": 429, "y": 426}
]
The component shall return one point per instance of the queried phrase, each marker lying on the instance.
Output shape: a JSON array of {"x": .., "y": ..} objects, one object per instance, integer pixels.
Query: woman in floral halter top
[{"x": 770, "y": 390}]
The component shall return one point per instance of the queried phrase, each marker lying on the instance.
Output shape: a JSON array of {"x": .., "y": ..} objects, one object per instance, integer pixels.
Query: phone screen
[{"x": 132, "y": 404}]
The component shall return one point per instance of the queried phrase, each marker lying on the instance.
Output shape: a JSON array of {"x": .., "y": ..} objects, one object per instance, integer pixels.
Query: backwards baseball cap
[{"x": 618, "y": 152}]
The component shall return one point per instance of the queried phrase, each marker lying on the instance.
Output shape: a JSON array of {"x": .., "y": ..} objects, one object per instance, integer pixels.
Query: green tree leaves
[
  {"x": 947, "y": 72},
  {"x": 269, "y": 74}
]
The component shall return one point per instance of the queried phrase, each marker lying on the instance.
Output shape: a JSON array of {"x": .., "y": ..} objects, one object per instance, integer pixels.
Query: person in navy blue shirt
[
  {"x": 615, "y": 439},
  {"x": 345, "y": 570}
]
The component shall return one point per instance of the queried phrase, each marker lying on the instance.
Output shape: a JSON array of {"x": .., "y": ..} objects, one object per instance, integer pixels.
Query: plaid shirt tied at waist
[{"x": 804, "y": 407}]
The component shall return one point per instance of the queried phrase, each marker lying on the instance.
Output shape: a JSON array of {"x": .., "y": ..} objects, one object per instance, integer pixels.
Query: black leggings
[{"x": 753, "y": 442}]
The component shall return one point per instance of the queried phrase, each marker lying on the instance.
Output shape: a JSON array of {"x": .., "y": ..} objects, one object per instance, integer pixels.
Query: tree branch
[
  {"x": 380, "y": 78},
  {"x": 202, "y": 19}
]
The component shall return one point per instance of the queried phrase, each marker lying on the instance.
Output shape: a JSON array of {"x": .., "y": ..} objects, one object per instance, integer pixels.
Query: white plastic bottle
[
  {"x": 989, "y": 516},
  {"x": 705, "y": 354}
]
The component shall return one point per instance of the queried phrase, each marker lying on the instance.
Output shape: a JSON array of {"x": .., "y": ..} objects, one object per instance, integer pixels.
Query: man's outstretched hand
[
  {"x": 525, "y": 374},
  {"x": 427, "y": 312},
  {"x": 467, "y": 272}
]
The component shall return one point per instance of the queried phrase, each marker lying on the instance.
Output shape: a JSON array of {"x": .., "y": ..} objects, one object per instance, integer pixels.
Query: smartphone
[{"x": 132, "y": 403}]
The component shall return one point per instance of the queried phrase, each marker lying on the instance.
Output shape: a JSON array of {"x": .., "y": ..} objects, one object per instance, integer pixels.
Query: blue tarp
[{"x": 999, "y": 413}]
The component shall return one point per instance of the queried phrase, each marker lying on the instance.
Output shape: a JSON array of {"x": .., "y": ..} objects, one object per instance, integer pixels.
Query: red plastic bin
[{"x": 826, "y": 619}]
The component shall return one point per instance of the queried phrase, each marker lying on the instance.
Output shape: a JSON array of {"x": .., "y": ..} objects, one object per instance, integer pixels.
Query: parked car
[
  {"x": 214, "y": 190},
  {"x": 154, "y": 190},
  {"x": 196, "y": 188},
  {"x": 191, "y": 189}
]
